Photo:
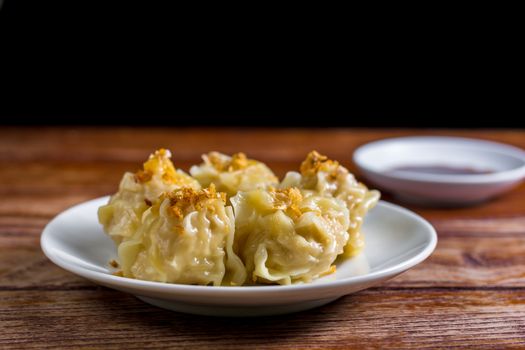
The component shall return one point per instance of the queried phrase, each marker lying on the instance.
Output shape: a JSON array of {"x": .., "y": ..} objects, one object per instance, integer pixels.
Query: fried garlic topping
[
  {"x": 287, "y": 199},
  {"x": 316, "y": 162},
  {"x": 222, "y": 162},
  {"x": 159, "y": 163},
  {"x": 187, "y": 199}
]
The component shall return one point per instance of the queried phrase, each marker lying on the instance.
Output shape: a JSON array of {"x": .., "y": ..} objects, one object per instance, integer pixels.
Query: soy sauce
[{"x": 439, "y": 170}]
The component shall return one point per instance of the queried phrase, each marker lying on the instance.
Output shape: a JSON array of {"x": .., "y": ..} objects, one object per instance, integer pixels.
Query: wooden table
[{"x": 469, "y": 293}]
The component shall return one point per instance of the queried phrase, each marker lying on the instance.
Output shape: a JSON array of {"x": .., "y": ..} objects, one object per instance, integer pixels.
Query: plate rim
[{"x": 197, "y": 290}]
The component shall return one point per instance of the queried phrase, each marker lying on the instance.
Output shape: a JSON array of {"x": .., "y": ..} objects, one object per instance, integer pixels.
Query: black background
[{"x": 142, "y": 64}]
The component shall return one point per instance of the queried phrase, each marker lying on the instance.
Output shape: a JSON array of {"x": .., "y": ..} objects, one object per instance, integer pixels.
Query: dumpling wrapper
[
  {"x": 138, "y": 191},
  {"x": 185, "y": 237},
  {"x": 326, "y": 177},
  {"x": 284, "y": 237},
  {"x": 233, "y": 174}
]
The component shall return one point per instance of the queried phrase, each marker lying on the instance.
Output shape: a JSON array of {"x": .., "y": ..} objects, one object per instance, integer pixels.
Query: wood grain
[
  {"x": 469, "y": 294},
  {"x": 387, "y": 319}
]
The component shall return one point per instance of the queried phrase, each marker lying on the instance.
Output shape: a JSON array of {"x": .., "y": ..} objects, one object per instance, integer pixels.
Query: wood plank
[
  {"x": 388, "y": 319},
  {"x": 470, "y": 261},
  {"x": 133, "y": 144},
  {"x": 461, "y": 261}
]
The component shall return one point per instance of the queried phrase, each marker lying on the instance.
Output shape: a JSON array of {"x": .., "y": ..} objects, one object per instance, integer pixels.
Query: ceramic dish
[
  {"x": 441, "y": 170},
  {"x": 396, "y": 240}
]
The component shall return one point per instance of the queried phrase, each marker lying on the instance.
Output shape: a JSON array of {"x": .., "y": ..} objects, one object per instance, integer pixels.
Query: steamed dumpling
[
  {"x": 328, "y": 178},
  {"x": 233, "y": 174},
  {"x": 137, "y": 192},
  {"x": 185, "y": 237},
  {"x": 286, "y": 237},
  {"x": 168, "y": 229}
]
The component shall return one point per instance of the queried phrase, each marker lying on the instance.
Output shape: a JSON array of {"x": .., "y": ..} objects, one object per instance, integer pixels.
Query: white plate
[
  {"x": 396, "y": 240},
  {"x": 377, "y": 159}
]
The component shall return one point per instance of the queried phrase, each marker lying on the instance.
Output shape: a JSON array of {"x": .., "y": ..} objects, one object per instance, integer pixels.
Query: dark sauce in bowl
[{"x": 439, "y": 170}]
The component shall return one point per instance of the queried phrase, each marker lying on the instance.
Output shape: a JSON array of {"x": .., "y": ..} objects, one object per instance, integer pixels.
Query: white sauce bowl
[{"x": 379, "y": 160}]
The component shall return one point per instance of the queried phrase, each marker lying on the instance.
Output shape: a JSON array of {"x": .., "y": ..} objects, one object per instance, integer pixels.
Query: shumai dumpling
[
  {"x": 328, "y": 178},
  {"x": 233, "y": 174},
  {"x": 185, "y": 237},
  {"x": 138, "y": 191},
  {"x": 286, "y": 237}
]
